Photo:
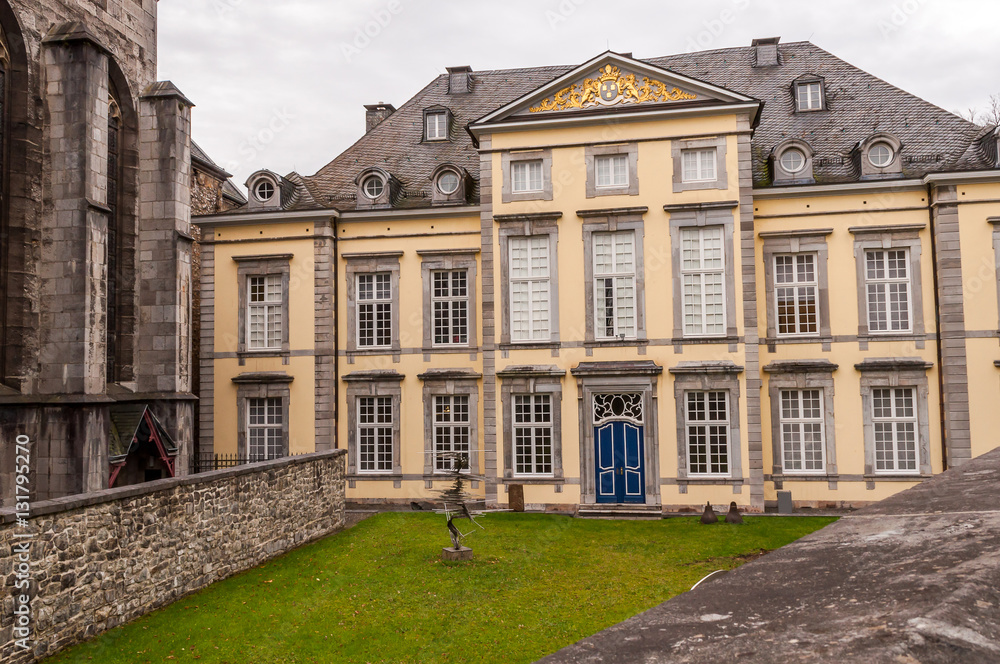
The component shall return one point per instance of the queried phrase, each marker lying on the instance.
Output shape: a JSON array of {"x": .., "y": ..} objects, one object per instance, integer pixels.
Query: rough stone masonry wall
[{"x": 105, "y": 558}]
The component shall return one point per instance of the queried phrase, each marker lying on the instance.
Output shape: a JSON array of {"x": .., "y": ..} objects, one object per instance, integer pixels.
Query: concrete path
[{"x": 914, "y": 579}]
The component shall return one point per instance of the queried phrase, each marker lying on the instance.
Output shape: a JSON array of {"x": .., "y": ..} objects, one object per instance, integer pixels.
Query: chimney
[
  {"x": 375, "y": 114},
  {"x": 459, "y": 80},
  {"x": 766, "y": 52}
]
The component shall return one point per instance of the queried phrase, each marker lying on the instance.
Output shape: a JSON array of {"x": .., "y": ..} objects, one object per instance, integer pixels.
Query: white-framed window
[
  {"x": 796, "y": 291},
  {"x": 448, "y": 182},
  {"x": 450, "y": 307},
  {"x": 265, "y": 438},
  {"x": 793, "y": 160},
  {"x": 530, "y": 297},
  {"x": 451, "y": 432},
  {"x": 374, "y": 302},
  {"x": 532, "y": 429},
  {"x": 612, "y": 170},
  {"x": 436, "y": 126},
  {"x": 374, "y": 434},
  {"x": 264, "y": 309},
  {"x": 894, "y": 424},
  {"x": 703, "y": 279},
  {"x": 263, "y": 190},
  {"x": 698, "y": 165},
  {"x": 526, "y": 176},
  {"x": 881, "y": 155},
  {"x": 802, "y": 435},
  {"x": 373, "y": 186},
  {"x": 614, "y": 285},
  {"x": 809, "y": 96},
  {"x": 888, "y": 290},
  {"x": 707, "y": 428}
]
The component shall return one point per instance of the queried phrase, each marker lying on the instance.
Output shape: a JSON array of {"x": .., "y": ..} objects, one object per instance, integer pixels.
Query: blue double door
[{"x": 619, "y": 462}]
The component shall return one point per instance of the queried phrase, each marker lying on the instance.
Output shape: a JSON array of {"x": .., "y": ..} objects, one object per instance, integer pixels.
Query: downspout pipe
[{"x": 939, "y": 342}]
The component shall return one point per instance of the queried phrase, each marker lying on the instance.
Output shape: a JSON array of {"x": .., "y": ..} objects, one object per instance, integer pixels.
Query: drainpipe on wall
[
  {"x": 939, "y": 343},
  {"x": 336, "y": 334}
]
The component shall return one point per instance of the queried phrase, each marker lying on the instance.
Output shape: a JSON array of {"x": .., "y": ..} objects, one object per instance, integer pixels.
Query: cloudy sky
[{"x": 281, "y": 84}]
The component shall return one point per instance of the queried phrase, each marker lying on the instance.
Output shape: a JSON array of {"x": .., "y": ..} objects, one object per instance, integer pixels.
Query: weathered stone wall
[{"x": 102, "y": 559}]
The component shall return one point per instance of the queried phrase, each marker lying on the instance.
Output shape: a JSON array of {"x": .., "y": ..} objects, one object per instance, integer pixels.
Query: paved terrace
[{"x": 914, "y": 579}]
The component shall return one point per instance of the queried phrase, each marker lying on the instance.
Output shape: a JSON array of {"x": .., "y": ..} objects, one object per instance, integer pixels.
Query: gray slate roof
[{"x": 860, "y": 105}]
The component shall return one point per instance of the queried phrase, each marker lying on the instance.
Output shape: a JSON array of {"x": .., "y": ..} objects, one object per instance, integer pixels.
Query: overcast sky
[{"x": 281, "y": 84}]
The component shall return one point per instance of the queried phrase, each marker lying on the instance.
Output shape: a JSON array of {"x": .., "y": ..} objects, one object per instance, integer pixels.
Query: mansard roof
[{"x": 859, "y": 105}]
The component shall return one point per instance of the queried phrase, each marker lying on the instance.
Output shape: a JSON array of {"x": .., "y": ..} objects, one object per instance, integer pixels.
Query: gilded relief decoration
[{"x": 611, "y": 88}]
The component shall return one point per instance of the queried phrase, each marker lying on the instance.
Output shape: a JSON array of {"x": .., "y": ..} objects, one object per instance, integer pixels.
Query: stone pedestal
[
  {"x": 456, "y": 555},
  {"x": 515, "y": 497}
]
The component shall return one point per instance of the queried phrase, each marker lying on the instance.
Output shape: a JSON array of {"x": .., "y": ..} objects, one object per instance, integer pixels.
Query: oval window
[
  {"x": 880, "y": 155},
  {"x": 448, "y": 182},
  {"x": 373, "y": 186},
  {"x": 263, "y": 190},
  {"x": 793, "y": 160}
]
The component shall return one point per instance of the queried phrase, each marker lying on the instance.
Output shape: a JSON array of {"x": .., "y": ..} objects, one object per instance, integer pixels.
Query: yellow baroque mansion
[{"x": 625, "y": 286}]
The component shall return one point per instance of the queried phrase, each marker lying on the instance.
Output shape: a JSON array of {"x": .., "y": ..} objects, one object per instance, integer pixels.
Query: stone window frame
[
  {"x": 611, "y": 222},
  {"x": 809, "y": 241},
  {"x": 721, "y": 145},
  {"x": 523, "y": 381},
  {"x": 374, "y": 384},
  {"x": 704, "y": 377},
  {"x": 631, "y": 150},
  {"x": 783, "y": 177},
  {"x": 643, "y": 380},
  {"x": 703, "y": 216},
  {"x": 528, "y": 225},
  {"x": 370, "y": 263},
  {"x": 507, "y": 161},
  {"x": 258, "y": 266},
  {"x": 390, "y": 188},
  {"x": 870, "y": 171},
  {"x": 995, "y": 222},
  {"x": 457, "y": 197},
  {"x": 450, "y": 382},
  {"x": 896, "y": 372},
  {"x": 901, "y": 236},
  {"x": 802, "y": 375},
  {"x": 446, "y": 260},
  {"x": 261, "y": 385}
]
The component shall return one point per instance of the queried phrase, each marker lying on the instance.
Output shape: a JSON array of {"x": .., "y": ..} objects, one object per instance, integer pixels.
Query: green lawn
[{"x": 380, "y": 593}]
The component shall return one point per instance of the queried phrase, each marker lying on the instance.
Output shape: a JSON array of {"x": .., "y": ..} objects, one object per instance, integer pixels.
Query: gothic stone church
[{"x": 96, "y": 253}]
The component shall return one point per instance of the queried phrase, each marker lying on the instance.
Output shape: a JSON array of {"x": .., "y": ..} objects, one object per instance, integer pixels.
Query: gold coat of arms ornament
[{"x": 611, "y": 88}]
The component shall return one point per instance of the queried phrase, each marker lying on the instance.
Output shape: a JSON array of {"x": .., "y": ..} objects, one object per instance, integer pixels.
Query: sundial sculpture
[{"x": 456, "y": 506}]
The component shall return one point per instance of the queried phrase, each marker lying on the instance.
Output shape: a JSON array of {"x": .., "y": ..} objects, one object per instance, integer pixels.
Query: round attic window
[
  {"x": 448, "y": 182},
  {"x": 263, "y": 191},
  {"x": 793, "y": 160},
  {"x": 373, "y": 186},
  {"x": 880, "y": 155}
]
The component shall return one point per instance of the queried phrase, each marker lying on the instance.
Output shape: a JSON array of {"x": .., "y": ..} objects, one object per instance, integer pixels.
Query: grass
[{"x": 380, "y": 593}]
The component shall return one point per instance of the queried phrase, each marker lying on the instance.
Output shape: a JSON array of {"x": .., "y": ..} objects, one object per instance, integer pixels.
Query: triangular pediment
[{"x": 612, "y": 82}]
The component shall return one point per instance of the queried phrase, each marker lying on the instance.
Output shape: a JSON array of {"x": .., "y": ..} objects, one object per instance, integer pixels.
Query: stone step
[{"x": 619, "y": 512}]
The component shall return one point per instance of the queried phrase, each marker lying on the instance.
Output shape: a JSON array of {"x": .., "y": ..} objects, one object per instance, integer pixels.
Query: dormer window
[
  {"x": 447, "y": 182},
  {"x": 792, "y": 162},
  {"x": 809, "y": 93},
  {"x": 264, "y": 191},
  {"x": 373, "y": 187},
  {"x": 436, "y": 126},
  {"x": 881, "y": 155}
]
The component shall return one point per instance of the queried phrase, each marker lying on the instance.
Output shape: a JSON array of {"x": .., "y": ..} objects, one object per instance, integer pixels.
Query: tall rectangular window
[
  {"x": 526, "y": 176},
  {"x": 265, "y": 311},
  {"x": 450, "y": 305},
  {"x": 375, "y": 434},
  {"x": 809, "y": 96},
  {"x": 374, "y": 310},
  {"x": 451, "y": 432},
  {"x": 698, "y": 165},
  {"x": 265, "y": 438},
  {"x": 614, "y": 285},
  {"x": 532, "y": 434},
  {"x": 530, "y": 295},
  {"x": 708, "y": 432},
  {"x": 795, "y": 290},
  {"x": 612, "y": 170},
  {"x": 802, "y": 441},
  {"x": 888, "y": 290},
  {"x": 702, "y": 279},
  {"x": 894, "y": 422},
  {"x": 436, "y": 126}
]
